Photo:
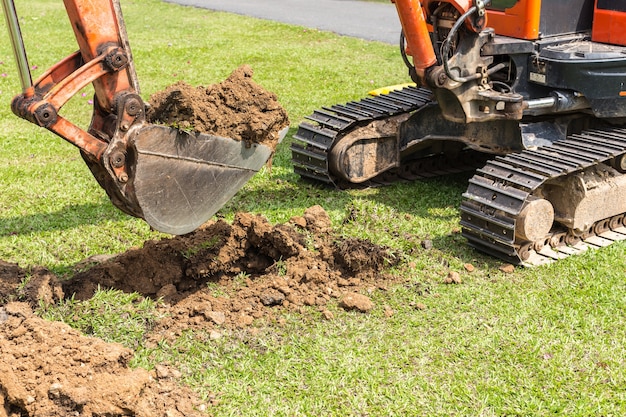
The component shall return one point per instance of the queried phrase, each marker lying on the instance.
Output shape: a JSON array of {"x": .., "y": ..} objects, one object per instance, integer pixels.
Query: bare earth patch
[
  {"x": 49, "y": 369},
  {"x": 219, "y": 277}
]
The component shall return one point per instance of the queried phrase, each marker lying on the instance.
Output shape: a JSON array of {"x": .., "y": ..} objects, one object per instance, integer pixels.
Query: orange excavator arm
[
  {"x": 414, "y": 15},
  {"x": 175, "y": 180},
  {"x": 444, "y": 39},
  {"x": 413, "y": 21}
]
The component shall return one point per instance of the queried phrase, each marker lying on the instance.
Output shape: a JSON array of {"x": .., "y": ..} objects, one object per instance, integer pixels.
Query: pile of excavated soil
[
  {"x": 223, "y": 276},
  {"x": 258, "y": 268},
  {"x": 49, "y": 369},
  {"x": 237, "y": 108}
]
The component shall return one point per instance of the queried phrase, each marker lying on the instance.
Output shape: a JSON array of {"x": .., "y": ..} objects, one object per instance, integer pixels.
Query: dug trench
[{"x": 260, "y": 271}]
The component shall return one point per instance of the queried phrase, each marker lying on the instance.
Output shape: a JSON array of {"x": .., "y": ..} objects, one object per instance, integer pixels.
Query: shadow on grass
[
  {"x": 419, "y": 198},
  {"x": 431, "y": 205},
  {"x": 69, "y": 217}
]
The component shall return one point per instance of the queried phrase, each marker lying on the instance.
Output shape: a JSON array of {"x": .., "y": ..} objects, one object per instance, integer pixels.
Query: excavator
[
  {"x": 173, "y": 179},
  {"x": 528, "y": 94}
]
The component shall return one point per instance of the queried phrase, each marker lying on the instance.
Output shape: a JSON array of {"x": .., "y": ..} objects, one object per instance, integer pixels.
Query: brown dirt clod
[
  {"x": 237, "y": 108},
  {"x": 453, "y": 278},
  {"x": 356, "y": 301}
]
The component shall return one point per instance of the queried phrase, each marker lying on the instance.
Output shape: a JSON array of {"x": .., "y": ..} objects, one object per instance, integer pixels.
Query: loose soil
[
  {"x": 49, "y": 369},
  {"x": 223, "y": 276},
  {"x": 229, "y": 275},
  {"x": 237, "y": 108},
  {"x": 220, "y": 277}
]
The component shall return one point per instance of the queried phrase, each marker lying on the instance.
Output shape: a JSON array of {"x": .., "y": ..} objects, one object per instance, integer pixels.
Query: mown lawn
[{"x": 534, "y": 342}]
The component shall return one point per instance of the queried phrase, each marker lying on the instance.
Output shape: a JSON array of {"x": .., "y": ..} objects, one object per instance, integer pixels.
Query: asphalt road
[{"x": 360, "y": 19}]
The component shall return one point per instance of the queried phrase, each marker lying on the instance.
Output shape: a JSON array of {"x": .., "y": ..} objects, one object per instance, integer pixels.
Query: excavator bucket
[
  {"x": 175, "y": 180},
  {"x": 181, "y": 179}
]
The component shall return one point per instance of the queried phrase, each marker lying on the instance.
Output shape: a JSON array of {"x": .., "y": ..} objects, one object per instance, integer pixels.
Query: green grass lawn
[{"x": 535, "y": 342}]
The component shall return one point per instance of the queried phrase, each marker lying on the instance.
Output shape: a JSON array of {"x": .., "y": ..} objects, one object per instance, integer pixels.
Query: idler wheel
[{"x": 535, "y": 220}]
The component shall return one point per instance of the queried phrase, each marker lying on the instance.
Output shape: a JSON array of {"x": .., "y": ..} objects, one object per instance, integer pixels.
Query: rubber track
[
  {"x": 497, "y": 193},
  {"x": 310, "y": 153}
]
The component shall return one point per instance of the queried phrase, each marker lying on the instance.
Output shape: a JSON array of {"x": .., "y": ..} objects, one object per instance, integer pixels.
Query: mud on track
[{"x": 261, "y": 271}]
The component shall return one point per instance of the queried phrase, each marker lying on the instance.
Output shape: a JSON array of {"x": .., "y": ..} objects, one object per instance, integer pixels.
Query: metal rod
[
  {"x": 121, "y": 26},
  {"x": 541, "y": 103},
  {"x": 18, "y": 44}
]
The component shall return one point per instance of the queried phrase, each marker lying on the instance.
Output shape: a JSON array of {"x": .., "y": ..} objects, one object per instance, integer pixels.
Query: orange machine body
[
  {"x": 609, "y": 22},
  {"x": 536, "y": 19}
]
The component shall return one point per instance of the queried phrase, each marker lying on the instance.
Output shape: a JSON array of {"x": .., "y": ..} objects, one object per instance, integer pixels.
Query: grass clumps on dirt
[{"x": 111, "y": 315}]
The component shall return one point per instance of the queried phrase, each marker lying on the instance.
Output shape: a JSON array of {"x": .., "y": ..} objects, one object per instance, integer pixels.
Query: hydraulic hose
[{"x": 445, "y": 48}]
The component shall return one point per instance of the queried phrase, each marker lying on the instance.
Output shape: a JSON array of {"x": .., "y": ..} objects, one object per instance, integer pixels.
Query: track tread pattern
[
  {"x": 313, "y": 141},
  {"x": 497, "y": 193}
]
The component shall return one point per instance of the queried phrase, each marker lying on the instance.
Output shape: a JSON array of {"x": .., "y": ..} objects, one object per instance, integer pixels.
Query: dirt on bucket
[
  {"x": 237, "y": 108},
  {"x": 220, "y": 277}
]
